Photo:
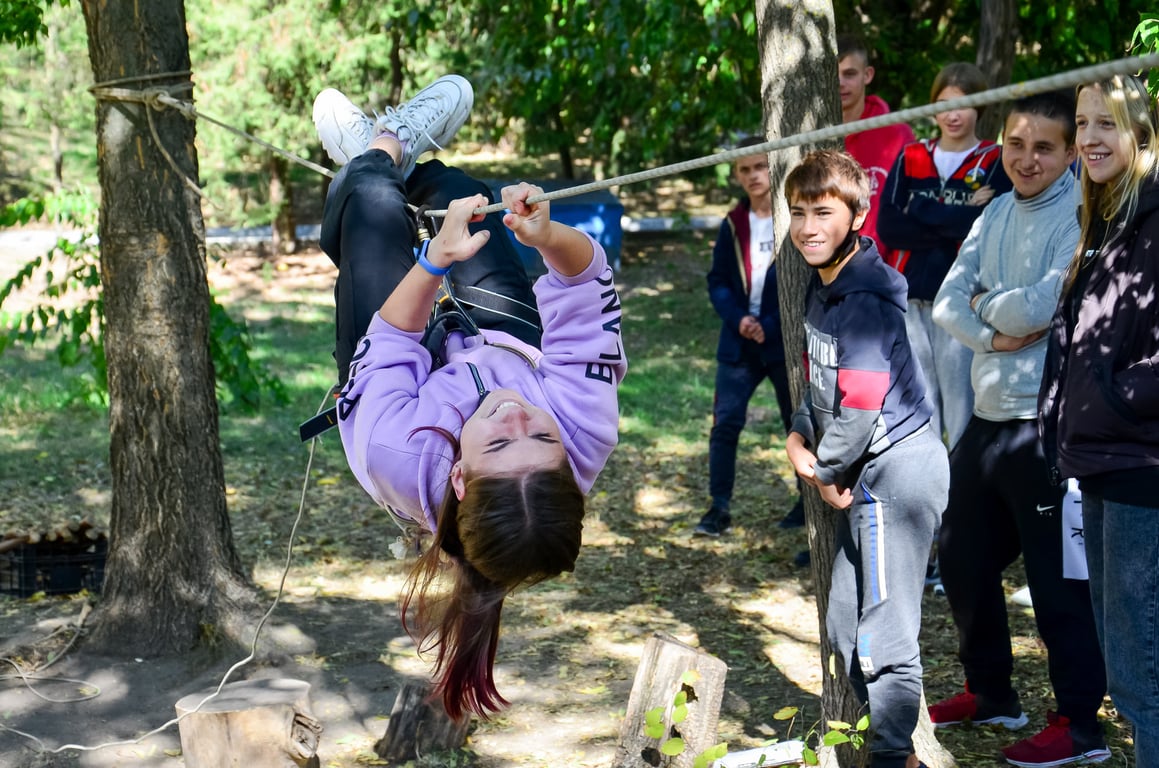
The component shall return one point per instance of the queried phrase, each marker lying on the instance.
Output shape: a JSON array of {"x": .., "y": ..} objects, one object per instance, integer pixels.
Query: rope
[
  {"x": 160, "y": 97},
  {"x": 993, "y": 96},
  {"x": 228, "y": 673}
]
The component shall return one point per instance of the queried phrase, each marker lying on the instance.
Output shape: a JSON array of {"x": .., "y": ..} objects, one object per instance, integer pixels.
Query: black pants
[
  {"x": 1002, "y": 503},
  {"x": 369, "y": 234}
]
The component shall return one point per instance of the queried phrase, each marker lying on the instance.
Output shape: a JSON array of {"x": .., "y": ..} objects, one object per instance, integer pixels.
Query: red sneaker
[
  {"x": 1054, "y": 745},
  {"x": 967, "y": 707}
]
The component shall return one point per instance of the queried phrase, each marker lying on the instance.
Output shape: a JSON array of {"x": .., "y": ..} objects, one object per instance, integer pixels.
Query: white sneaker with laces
[
  {"x": 430, "y": 119},
  {"x": 344, "y": 129}
]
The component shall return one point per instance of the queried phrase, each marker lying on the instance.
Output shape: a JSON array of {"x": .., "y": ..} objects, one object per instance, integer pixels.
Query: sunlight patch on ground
[
  {"x": 348, "y": 579},
  {"x": 657, "y": 502},
  {"x": 790, "y": 618}
]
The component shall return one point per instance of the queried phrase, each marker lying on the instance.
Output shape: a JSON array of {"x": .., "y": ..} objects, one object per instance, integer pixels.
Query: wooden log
[
  {"x": 252, "y": 724},
  {"x": 658, "y": 679},
  {"x": 418, "y": 726},
  {"x": 13, "y": 543}
]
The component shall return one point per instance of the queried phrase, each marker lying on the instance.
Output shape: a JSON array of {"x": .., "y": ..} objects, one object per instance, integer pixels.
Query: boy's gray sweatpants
[{"x": 875, "y": 600}]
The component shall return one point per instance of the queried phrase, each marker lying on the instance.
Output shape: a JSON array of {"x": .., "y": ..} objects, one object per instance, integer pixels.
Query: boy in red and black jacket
[{"x": 935, "y": 191}]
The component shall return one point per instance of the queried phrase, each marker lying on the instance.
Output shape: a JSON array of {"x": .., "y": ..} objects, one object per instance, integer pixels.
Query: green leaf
[
  {"x": 654, "y": 731},
  {"x": 863, "y": 723},
  {"x": 654, "y": 716},
  {"x": 810, "y": 756},
  {"x": 785, "y": 713},
  {"x": 833, "y": 738},
  {"x": 673, "y": 747},
  {"x": 679, "y": 714},
  {"x": 690, "y": 677},
  {"x": 838, "y": 725}
]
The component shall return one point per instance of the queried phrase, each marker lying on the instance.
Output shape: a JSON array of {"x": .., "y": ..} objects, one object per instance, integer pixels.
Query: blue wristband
[{"x": 426, "y": 264}]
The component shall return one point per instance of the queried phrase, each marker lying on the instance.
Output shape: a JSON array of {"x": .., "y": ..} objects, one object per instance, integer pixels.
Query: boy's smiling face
[
  {"x": 1035, "y": 152},
  {"x": 819, "y": 227}
]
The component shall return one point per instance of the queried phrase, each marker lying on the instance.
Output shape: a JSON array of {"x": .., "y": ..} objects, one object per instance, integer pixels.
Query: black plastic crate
[{"x": 49, "y": 568}]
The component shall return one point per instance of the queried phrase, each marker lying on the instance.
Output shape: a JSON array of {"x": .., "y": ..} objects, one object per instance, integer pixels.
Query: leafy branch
[
  {"x": 661, "y": 723},
  {"x": 839, "y": 733},
  {"x": 71, "y": 268}
]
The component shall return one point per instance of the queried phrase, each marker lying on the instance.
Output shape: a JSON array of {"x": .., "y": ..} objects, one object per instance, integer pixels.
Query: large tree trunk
[
  {"x": 799, "y": 92},
  {"x": 997, "y": 35},
  {"x": 173, "y": 579}
]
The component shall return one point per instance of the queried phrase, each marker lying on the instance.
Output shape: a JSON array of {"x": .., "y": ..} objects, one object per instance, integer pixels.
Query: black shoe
[
  {"x": 803, "y": 559},
  {"x": 714, "y": 523},
  {"x": 795, "y": 518}
]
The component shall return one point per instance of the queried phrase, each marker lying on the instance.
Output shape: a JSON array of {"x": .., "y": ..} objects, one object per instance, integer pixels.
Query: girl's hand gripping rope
[
  {"x": 455, "y": 242},
  {"x": 565, "y": 249}
]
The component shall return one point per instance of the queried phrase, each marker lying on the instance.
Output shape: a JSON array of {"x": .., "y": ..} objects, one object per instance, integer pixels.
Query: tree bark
[
  {"x": 285, "y": 236},
  {"x": 798, "y": 53},
  {"x": 997, "y": 34},
  {"x": 165, "y": 591}
]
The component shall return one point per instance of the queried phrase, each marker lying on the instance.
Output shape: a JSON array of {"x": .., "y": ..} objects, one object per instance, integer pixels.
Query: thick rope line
[{"x": 993, "y": 96}]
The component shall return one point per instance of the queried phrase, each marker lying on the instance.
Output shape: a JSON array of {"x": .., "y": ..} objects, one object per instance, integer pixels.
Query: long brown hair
[
  {"x": 1135, "y": 120},
  {"x": 506, "y": 532}
]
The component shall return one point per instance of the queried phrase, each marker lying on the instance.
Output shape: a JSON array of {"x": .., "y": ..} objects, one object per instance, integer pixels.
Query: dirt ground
[{"x": 569, "y": 648}]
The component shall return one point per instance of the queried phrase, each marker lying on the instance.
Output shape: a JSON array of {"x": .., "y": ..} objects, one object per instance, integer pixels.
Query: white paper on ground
[{"x": 781, "y": 753}]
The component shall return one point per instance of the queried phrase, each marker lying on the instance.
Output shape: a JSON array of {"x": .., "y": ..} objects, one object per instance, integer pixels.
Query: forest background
[
  {"x": 569, "y": 90},
  {"x": 603, "y": 86}
]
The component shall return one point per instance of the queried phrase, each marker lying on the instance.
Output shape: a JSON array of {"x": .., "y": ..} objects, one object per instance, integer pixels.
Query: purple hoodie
[{"x": 574, "y": 377}]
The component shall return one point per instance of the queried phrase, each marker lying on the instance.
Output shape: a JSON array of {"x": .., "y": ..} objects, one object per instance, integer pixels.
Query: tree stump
[
  {"x": 658, "y": 680},
  {"x": 252, "y": 724},
  {"x": 418, "y": 726}
]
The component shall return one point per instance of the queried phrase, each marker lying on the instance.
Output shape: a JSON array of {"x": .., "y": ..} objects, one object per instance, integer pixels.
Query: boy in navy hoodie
[{"x": 862, "y": 438}]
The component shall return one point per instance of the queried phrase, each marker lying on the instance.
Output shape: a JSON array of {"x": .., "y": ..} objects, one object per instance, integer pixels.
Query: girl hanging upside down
[{"x": 486, "y": 431}]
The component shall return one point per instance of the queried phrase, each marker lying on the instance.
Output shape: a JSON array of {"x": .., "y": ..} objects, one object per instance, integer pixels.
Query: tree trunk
[
  {"x": 799, "y": 89},
  {"x": 165, "y": 591},
  {"x": 54, "y": 64},
  {"x": 253, "y": 723},
  {"x": 285, "y": 237},
  {"x": 997, "y": 35}
]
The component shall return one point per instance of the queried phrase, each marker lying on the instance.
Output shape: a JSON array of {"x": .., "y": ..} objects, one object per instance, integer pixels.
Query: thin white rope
[
  {"x": 229, "y": 672},
  {"x": 993, "y": 96},
  {"x": 154, "y": 97}
]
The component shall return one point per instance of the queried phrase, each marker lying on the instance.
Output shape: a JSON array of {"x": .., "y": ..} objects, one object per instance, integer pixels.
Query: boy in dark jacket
[
  {"x": 742, "y": 285},
  {"x": 863, "y": 439}
]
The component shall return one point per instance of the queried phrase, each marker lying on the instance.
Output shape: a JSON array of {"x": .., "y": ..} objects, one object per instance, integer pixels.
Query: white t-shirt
[
  {"x": 948, "y": 162},
  {"x": 761, "y": 256}
]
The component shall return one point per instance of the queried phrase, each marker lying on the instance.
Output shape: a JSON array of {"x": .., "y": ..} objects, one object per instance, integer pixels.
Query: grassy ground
[{"x": 570, "y": 646}]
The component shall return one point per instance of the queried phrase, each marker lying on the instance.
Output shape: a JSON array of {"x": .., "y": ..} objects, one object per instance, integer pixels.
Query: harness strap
[{"x": 477, "y": 298}]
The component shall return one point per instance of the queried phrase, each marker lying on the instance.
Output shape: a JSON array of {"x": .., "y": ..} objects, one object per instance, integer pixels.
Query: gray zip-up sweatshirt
[{"x": 1015, "y": 257}]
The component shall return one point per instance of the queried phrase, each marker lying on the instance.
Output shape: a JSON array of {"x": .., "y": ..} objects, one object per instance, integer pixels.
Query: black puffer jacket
[{"x": 1099, "y": 400}]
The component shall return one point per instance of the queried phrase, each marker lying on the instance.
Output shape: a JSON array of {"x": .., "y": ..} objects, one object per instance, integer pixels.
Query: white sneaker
[
  {"x": 430, "y": 119},
  {"x": 344, "y": 129}
]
